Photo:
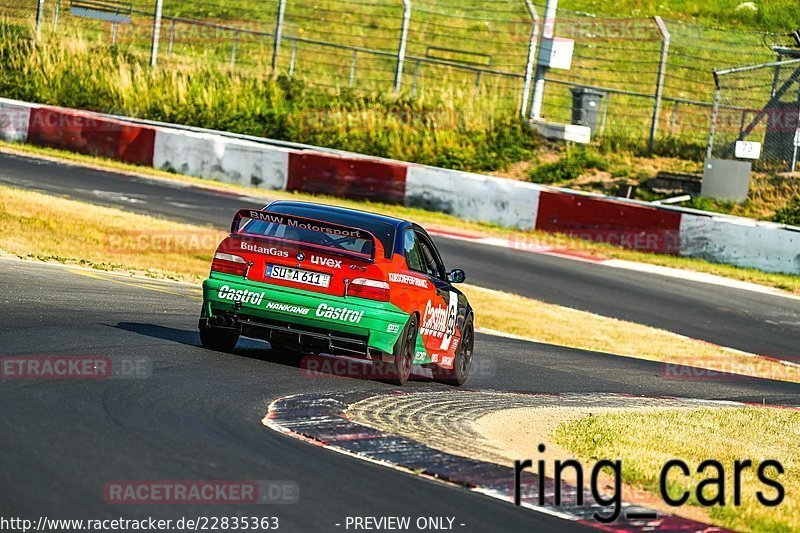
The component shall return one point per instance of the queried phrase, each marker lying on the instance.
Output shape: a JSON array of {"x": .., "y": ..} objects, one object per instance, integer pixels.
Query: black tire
[
  {"x": 462, "y": 364},
  {"x": 218, "y": 339},
  {"x": 397, "y": 373}
]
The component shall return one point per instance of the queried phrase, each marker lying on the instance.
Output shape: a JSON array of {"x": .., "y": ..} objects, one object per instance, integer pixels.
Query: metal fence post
[
  {"x": 526, "y": 86},
  {"x": 548, "y": 27},
  {"x": 401, "y": 52},
  {"x": 662, "y": 68},
  {"x": 156, "y": 32},
  {"x": 39, "y": 16},
  {"x": 278, "y": 34},
  {"x": 714, "y": 115}
]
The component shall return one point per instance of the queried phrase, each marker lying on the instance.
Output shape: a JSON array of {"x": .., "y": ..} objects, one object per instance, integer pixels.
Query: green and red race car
[{"x": 318, "y": 279}]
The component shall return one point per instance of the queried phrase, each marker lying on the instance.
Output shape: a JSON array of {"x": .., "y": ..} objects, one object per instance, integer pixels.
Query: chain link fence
[
  {"x": 758, "y": 104},
  {"x": 654, "y": 78}
]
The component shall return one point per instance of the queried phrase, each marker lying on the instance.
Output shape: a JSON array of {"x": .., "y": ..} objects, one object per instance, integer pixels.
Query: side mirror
[{"x": 457, "y": 276}]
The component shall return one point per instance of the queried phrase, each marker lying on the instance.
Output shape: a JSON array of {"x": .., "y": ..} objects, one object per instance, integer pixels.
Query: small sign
[
  {"x": 797, "y": 137},
  {"x": 556, "y": 53},
  {"x": 748, "y": 150}
]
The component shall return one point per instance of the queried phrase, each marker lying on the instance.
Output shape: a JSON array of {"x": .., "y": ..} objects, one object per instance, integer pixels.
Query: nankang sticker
[
  {"x": 272, "y": 250},
  {"x": 240, "y": 295},
  {"x": 392, "y": 328},
  {"x": 287, "y": 308},
  {"x": 342, "y": 314},
  {"x": 408, "y": 280}
]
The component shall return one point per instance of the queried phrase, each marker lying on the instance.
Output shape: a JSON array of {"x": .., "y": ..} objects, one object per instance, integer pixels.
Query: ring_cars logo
[
  {"x": 264, "y": 250},
  {"x": 440, "y": 321},
  {"x": 324, "y": 261},
  {"x": 343, "y": 314},
  {"x": 240, "y": 295}
]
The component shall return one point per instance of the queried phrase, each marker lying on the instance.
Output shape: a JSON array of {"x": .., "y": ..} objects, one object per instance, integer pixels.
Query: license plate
[{"x": 299, "y": 276}]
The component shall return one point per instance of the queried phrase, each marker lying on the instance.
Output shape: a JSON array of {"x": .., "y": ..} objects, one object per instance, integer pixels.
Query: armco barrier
[
  {"x": 629, "y": 225},
  {"x": 347, "y": 177},
  {"x": 91, "y": 134},
  {"x": 221, "y": 159},
  {"x": 473, "y": 196},
  {"x": 741, "y": 242},
  {"x": 14, "y": 119}
]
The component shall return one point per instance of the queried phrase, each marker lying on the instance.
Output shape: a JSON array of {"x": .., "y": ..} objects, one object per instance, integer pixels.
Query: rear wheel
[
  {"x": 463, "y": 359},
  {"x": 397, "y": 373},
  {"x": 218, "y": 339}
]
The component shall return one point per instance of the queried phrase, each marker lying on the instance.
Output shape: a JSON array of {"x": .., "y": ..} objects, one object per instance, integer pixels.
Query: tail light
[
  {"x": 369, "y": 288},
  {"x": 229, "y": 264}
]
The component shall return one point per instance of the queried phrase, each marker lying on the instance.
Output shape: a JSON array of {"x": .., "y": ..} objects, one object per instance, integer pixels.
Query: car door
[{"x": 438, "y": 323}]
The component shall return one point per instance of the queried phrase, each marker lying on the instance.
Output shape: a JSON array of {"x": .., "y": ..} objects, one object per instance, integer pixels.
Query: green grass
[
  {"x": 444, "y": 132},
  {"x": 645, "y": 441},
  {"x": 614, "y": 53}
]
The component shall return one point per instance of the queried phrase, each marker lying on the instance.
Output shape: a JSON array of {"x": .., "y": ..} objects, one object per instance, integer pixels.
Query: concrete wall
[
  {"x": 741, "y": 242},
  {"x": 221, "y": 159}
]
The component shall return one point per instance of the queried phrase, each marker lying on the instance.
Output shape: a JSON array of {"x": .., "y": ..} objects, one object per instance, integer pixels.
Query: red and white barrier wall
[{"x": 736, "y": 241}]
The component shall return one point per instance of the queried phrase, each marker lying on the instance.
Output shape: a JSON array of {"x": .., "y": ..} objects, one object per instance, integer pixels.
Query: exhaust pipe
[
  {"x": 219, "y": 320},
  {"x": 230, "y": 321}
]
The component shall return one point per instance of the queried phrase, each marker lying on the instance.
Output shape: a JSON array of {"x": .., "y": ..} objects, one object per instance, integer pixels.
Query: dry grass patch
[
  {"x": 37, "y": 226},
  {"x": 553, "y": 324}
]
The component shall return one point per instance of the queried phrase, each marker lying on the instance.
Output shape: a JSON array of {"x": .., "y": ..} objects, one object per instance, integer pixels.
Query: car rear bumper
[{"x": 346, "y": 325}]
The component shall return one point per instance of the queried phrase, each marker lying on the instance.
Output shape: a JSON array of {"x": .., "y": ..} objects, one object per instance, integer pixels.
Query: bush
[
  {"x": 441, "y": 130},
  {"x": 576, "y": 162},
  {"x": 789, "y": 214}
]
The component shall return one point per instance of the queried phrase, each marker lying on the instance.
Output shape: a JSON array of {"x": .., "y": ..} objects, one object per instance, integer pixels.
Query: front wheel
[
  {"x": 217, "y": 339},
  {"x": 397, "y": 373},
  {"x": 463, "y": 359}
]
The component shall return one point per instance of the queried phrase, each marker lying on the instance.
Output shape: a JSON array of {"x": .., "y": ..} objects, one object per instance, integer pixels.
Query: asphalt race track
[
  {"x": 196, "y": 414},
  {"x": 753, "y": 322}
]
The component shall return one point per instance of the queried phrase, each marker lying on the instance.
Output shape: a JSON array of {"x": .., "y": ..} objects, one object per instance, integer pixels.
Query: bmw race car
[{"x": 319, "y": 279}]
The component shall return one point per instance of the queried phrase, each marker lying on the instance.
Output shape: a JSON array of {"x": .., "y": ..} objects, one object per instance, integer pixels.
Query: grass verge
[
  {"x": 47, "y": 228},
  {"x": 645, "y": 441},
  {"x": 786, "y": 282}
]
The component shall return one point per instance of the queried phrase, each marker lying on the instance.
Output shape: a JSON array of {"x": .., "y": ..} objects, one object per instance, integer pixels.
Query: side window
[
  {"x": 413, "y": 252},
  {"x": 432, "y": 267}
]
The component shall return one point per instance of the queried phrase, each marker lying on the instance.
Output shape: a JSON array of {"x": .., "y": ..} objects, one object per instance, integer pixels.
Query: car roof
[{"x": 334, "y": 210}]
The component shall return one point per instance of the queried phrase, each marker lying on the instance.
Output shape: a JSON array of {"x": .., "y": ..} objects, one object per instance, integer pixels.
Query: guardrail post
[
  {"x": 353, "y": 69},
  {"x": 401, "y": 51},
  {"x": 548, "y": 29},
  {"x": 233, "y": 50},
  {"x": 171, "y": 43},
  {"x": 156, "y": 32},
  {"x": 526, "y": 86},
  {"x": 39, "y": 16},
  {"x": 278, "y": 35},
  {"x": 56, "y": 13},
  {"x": 293, "y": 58},
  {"x": 662, "y": 67}
]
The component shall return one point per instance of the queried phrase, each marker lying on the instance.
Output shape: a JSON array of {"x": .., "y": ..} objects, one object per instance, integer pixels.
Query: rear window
[
  {"x": 384, "y": 231},
  {"x": 308, "y": 236}
]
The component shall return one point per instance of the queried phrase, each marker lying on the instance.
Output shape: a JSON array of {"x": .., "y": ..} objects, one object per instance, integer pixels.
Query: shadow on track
[{"x": 248, "y": 348}]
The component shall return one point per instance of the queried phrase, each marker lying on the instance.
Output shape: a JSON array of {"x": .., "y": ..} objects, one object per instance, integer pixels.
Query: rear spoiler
[{"x": 330, "y": 228}]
